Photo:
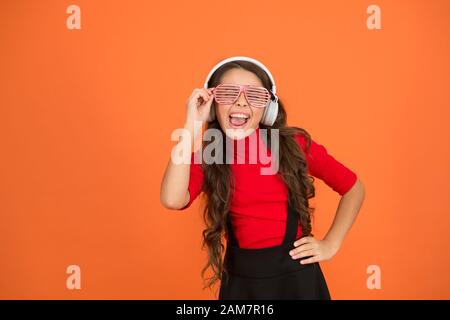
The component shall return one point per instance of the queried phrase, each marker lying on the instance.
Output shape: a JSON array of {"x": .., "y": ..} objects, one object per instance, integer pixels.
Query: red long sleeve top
[{"x": 258, "y": 205}]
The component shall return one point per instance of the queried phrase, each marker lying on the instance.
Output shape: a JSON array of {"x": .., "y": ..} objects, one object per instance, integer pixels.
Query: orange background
[{"x": 86, "y": 117}]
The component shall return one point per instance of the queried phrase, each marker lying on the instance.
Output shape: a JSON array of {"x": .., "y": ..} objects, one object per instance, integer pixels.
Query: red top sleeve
[
  {"x": 325, "y": 167},
  {"x": 195, "y": 180}
]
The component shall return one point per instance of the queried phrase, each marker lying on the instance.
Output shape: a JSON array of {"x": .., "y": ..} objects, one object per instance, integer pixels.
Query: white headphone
[{"x": 270, "y": 111}]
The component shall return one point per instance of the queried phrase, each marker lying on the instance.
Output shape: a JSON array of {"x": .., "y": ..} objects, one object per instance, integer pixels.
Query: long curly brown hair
[{"x": 218, "y": 180}]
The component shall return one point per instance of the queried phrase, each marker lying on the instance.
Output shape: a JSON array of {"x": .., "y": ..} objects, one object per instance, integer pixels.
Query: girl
[{"x": 266, "y": 218}]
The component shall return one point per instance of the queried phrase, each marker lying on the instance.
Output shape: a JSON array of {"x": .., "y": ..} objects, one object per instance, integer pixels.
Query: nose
[{"x": 241, "y": 101}]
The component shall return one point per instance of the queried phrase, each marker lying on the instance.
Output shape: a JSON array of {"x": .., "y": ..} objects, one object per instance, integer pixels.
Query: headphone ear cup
[
  {"x": 212, "y": 114},
  {"x": 270, "y": 113}
]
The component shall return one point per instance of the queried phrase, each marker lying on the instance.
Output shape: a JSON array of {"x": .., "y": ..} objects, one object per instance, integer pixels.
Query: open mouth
[{"x": 238, "y": 119}]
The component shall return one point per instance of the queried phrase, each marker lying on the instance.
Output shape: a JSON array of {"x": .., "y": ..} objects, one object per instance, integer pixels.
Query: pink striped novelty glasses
[{"x": 228, "y": 93}]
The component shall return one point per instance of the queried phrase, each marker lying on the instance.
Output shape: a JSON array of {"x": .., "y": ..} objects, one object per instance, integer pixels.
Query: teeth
[{"x": 239, "y": 115}]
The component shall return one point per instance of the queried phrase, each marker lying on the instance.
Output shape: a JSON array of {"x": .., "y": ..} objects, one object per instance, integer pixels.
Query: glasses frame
[{"x": 243, "y": 88}]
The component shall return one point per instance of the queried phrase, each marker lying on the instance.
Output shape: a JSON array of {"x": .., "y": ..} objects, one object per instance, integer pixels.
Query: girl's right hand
[{"x": 199, "y": 104}]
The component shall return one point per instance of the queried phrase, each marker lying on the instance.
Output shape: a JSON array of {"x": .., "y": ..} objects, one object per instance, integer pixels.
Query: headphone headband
[{"x": 235, "y": 58}]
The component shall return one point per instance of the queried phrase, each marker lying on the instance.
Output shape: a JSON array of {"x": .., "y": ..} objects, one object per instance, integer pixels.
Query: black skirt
[{"x": 270, "y": 273}]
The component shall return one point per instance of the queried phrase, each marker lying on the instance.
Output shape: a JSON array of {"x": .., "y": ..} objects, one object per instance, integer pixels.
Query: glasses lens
[
  {"x": 258, "y": 96},
  {"x": 226, "y": 93}
]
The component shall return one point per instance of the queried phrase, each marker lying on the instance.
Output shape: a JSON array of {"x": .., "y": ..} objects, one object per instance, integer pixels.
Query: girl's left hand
[{"x": 317, "y": 250}]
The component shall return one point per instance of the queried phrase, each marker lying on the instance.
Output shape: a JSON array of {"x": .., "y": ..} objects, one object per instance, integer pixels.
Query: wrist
[
  {"x": 334, "y": 242},
  {"x": 194, "y": 128},
  {"x": 192, "y": 125}
]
